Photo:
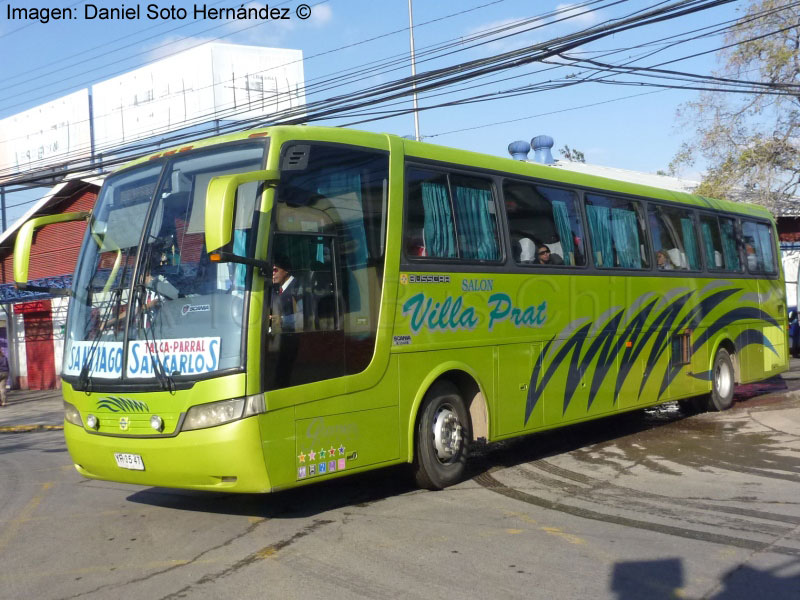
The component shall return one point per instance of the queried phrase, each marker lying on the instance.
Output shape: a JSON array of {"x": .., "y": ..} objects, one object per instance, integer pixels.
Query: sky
[{"x": 623, "y": 126}]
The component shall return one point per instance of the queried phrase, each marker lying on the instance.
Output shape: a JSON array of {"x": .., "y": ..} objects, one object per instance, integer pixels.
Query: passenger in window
[
  {"x": 545, "y": 257},
  {"x": 663, "y": 261},
  {"x": 287, "y": 297},
  {"x": 752, "y": 259}
]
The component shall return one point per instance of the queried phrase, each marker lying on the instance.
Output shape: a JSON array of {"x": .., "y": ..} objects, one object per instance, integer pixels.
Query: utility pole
[
  {"x": 413, "y": 69},
  {"x": 3, "y": 205}
]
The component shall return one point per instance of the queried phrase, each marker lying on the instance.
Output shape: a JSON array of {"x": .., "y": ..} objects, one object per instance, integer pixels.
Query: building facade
[{"x": 32, "y": 324}]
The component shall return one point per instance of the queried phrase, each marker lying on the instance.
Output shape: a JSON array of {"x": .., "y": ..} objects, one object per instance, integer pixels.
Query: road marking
[
  {"x": 572, "y": 539},
  {"x": 24, "y": 515},
  {"x": 29, "y": 428}
]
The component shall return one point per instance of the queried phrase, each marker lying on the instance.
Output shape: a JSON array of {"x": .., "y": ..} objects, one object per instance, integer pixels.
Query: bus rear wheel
[
  {"x": 722, "y": 382},
  {"x": 442, "y": 438}
]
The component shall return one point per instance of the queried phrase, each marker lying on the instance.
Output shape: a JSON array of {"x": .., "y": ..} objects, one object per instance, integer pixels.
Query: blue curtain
[
  {"x": 339, "y": 182},
  {"x": 690, "y": 244},
  {"x": 708, "y": 245},
  {"x": 476, "y": 234},
  {"x": 438, "y": 225},
  {"x": 624, "y": 230},
  {"x": 344, "y": 183},
  {"x": 599, "y": 217},
  {"x": 561, "y": 216},
  {"x": 729, "y": 250}
]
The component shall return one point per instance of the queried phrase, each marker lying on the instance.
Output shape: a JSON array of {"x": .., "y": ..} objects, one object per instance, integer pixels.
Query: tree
[
  {"x": 572, "y": 155},
  {"x": 751, "y": 142}
]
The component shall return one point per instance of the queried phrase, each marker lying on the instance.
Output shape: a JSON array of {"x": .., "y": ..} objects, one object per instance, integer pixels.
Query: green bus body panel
[
  {"x": 224, "y": 458},
  {"x": 555, "y": 349},
  {"x": 543, "y": 349},
  {"x": 22, "y": 245}
]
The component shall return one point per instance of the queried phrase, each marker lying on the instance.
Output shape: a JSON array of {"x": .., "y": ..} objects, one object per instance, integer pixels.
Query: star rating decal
[{"x": 338, "y": 462}]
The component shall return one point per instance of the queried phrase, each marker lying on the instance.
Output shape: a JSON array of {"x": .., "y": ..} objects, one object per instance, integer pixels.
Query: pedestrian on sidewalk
[{"x": 3, "y": 376}]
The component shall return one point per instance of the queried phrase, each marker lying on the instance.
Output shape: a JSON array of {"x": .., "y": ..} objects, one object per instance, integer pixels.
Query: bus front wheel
[
  {"x": 722, "y": 382},
  {"x": 442, "y": 438}
]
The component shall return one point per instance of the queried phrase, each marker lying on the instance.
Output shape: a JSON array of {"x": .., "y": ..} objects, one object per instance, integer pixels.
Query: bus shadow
[
  {"x": 359, "y": 490},
  {"x": 363, "y": 489}
]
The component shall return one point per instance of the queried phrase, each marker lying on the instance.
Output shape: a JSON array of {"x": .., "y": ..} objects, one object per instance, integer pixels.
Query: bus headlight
[
  {"x": 71, "y": 415},
  {"x": 92, "y": 422},
  {"x": 218, "y": 413},
  {"x": 157, "y": 423}
]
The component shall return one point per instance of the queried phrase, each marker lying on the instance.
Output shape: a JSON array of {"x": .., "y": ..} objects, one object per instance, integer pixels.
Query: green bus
[{"x": 267, "y": 309}]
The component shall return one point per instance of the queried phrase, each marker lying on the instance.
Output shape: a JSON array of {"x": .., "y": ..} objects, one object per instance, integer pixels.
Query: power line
[
  {"x": 118, "y": 61},
  {"x": 444, "y": 77},
  {"x": 323, "y": 83},
  {"x": 331, "y": 77}
]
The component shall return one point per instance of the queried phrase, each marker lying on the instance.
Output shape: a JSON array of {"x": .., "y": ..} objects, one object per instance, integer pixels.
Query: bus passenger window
[
  {"x": 543, "y": 219},
  {"x": 720, "y": 249},
  {"x": 616, "y": 228},
  {"x": 758, "y": 247},
  {"x": 674, "y": 238},
  {"x": 450, "y": 216}
]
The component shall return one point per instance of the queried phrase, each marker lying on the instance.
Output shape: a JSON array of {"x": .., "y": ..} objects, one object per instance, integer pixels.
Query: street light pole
[{"x": 413, "y": 70}]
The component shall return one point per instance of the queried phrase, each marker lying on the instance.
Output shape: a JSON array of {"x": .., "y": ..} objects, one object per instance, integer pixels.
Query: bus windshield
[{"x": 148, "y": 302}]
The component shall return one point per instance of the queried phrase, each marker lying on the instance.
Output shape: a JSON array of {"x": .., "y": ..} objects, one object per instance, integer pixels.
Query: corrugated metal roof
[{"x": 58, "y": 192}]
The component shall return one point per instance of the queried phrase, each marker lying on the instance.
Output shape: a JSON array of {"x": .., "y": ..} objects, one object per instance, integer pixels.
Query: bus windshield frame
[{"x": 149, "y": 309}]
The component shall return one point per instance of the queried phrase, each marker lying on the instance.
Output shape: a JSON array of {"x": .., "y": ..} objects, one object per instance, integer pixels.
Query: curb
[{"x": 29, "y": 428}]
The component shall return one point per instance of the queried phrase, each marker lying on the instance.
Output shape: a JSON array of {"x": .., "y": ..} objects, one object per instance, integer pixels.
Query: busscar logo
[
  {"x": 414, "y": 278},
  {"x": 123, "y": 423}
]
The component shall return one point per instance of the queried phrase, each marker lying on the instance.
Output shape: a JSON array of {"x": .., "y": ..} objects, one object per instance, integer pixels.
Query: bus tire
[
  {"x": 442, "y": 438},
  {"x": 722, "y": 382}
]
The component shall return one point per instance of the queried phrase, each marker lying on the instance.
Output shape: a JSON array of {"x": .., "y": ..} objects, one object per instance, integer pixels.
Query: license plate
[{"x": 129, "y": 461}]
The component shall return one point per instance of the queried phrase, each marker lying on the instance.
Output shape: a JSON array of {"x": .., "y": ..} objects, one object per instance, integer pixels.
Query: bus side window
[
  {"x": 674, "y": 238},
  {"x": 758, "y": 247},
  {"x": 720, "y": 252},
  {"x": 730, "y": 250},
  {"x": 450, "y": 216},
  {"x": 616, "y": 227},
  {"x": 542, "y": 216}
]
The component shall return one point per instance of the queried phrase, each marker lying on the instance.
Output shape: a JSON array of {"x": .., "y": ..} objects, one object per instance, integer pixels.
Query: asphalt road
[{"x": 648, "y": 505}]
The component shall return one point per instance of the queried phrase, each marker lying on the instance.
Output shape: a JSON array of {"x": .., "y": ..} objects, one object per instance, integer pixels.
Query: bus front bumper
[{"x": 226, "y": 458}]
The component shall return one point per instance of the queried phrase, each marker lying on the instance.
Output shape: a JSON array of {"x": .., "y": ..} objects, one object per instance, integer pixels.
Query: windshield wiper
[
  {"x": 165, "y": 379},
  {"x": 111, "y": 312},
  {"x": 85, "y": 378}
]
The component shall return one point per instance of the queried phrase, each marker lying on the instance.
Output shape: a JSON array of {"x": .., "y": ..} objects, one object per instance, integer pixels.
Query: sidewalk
[{"x": 32, "y": 411}]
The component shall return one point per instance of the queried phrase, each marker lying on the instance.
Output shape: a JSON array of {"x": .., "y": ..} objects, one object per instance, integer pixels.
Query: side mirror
[
  {"x": 22, "y": 246},
  {"x": 221, "y": 204}
]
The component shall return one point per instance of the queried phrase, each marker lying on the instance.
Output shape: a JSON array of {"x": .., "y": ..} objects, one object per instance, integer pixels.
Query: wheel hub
[
  {"x": 723, "y": 380},
  {"x": 446, "y": 434}
]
